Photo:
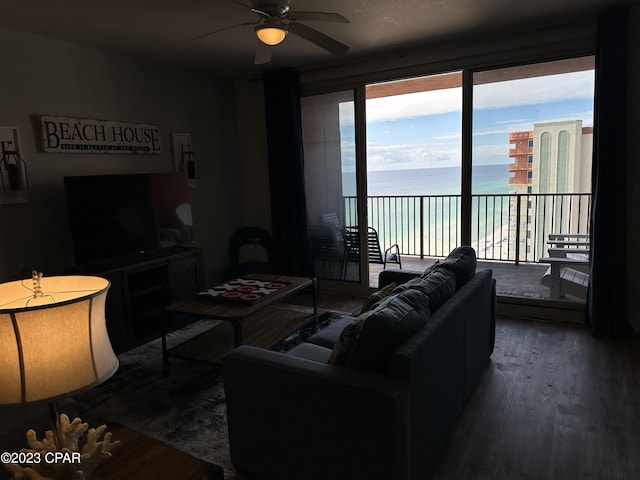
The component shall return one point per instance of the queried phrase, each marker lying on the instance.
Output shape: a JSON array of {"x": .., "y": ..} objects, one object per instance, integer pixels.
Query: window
[
  {"x": 525, "y": 133},
  {"x": 414, "y": 162},
  {"x": 537, "y": 118}
]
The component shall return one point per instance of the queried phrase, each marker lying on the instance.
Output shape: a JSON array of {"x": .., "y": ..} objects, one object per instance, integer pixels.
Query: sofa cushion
[
  {"x": 377, "y": 296},
  {"x": 408, "y": 284},
  {"x": 394, "y": 320},
  {"x": 328, "y": 336},
  {"x": 439, "y": 286},
  {"x": 462, "y": 262},
  {"x": 431, "y": 268},
  {"x": 349, "y": 333},
  {"x": 309, "y": 351}
]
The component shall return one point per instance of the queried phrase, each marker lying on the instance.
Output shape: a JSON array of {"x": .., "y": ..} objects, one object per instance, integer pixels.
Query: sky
[{"x": 422, "y": 130}]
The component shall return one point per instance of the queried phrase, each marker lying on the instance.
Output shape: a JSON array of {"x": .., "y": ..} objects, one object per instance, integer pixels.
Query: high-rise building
[
  {"x": 552, "y": 166},
  {"x": 522, "y": 168}
]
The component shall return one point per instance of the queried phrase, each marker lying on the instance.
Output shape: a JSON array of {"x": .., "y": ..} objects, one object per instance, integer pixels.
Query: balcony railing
[{"x": 509, "y": 227}]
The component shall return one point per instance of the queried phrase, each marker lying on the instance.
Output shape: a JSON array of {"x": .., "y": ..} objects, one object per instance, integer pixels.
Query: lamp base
[{"x": 69, "y": 451}]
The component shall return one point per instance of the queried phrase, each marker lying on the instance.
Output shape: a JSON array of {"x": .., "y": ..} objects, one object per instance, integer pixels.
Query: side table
[{"x": 144, "y": 458}]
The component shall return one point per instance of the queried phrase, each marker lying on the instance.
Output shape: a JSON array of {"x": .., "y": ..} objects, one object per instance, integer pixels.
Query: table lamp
[{"x": 53, "y": 342}]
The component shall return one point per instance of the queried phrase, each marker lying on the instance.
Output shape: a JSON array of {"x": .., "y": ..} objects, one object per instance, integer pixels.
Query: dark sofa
[{"x": 388, "y": 409}]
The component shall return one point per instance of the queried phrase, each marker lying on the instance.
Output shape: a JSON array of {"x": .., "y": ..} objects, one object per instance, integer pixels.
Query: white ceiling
[{"x": 161, "y": 29}]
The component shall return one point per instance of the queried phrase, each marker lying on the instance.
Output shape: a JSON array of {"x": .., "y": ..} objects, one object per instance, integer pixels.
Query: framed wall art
[{"x": 14, "y": 181}]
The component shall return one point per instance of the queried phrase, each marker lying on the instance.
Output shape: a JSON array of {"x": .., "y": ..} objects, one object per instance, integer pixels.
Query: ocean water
[
  {"x": 393, "y": 218},
  {"x": 486, "y": 179}
]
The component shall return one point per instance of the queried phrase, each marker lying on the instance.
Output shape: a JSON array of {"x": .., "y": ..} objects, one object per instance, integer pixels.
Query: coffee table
[
  {"x": 142, "y": 457},
  {"x": 236, "y": 313}
]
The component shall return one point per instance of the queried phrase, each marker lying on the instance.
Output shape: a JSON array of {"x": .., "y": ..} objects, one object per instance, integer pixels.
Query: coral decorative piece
[{"x": 72, "y": 452}]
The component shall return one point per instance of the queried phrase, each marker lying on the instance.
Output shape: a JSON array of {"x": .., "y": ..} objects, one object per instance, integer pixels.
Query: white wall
[{"x": 42, "y": 76}]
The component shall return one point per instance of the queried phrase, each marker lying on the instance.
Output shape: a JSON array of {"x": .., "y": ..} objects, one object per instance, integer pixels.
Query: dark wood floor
[{"x": 554, "y": 403}]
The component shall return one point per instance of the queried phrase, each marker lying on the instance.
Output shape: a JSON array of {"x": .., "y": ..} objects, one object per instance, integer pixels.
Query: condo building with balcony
[{"x": 551, "y": 176}]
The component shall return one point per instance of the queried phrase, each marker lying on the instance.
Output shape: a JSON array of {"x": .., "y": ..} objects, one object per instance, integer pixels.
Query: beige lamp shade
[
  {"x": 270, "y": 34},
  {"x": 53, "y": 338}
]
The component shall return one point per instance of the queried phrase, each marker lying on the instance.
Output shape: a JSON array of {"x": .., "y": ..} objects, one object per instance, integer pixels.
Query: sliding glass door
[
  {"x": 498, "y": 159},
  {"x": 328, "y": 125},
  {"x": 532, "y": 149},
  {"x": 414, "y": 165}
]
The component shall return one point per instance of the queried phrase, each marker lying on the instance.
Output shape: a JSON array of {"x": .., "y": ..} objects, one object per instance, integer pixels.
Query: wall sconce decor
[
  {"x": 14, "y": 182},
  {"x": 184, "y": 156}
]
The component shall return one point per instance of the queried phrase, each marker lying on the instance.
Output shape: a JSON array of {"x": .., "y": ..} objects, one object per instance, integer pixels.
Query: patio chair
[
  {"x": 351, "y": 237},
  {"x": 325, "y": 246},
  {"x": 250, "y": 252},
  {"x": 569, "y": 265},
  {"x": 330, "y": 219}
]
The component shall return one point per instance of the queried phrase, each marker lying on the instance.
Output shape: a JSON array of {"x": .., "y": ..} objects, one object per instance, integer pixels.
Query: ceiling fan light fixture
[{"x": 270, "y": 34}]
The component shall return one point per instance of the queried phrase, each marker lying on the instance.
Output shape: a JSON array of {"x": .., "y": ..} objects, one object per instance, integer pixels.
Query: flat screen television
[{"x": 118, "y": 216}]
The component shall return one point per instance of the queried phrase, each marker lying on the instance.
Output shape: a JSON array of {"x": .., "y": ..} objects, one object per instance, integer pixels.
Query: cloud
[
  {"x": 510, "y": 93},
  {"x": 491, "y": 154},
  {"x": 536, "y": 90},
  {"x": 414, "y": 104},
  {"x": 535, "y": 96},
  {"x": 401, "y": 157}
]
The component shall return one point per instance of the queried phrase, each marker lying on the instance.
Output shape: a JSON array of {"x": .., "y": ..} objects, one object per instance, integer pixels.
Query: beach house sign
[{"x": 85, "y": 135}]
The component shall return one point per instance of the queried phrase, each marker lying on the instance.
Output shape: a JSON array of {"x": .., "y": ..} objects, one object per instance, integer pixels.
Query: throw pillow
[
  {"x": 376, "y": 296},
  {"x": 392, "y": 322},
  {"x": 348, "y": 335},
  {"x": 252, "y": 253},
  {"x": 462, "y": 262}
]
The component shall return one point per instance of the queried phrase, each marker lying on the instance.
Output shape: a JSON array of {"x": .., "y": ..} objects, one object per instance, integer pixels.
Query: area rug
[{"x": 186, "y": 410}]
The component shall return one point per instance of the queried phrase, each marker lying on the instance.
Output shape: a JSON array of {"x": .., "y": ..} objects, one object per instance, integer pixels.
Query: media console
[{"x": 141, "y": 287}]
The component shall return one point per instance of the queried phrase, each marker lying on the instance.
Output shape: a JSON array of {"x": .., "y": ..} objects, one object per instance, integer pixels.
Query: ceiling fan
[{"x": 276, "y": 20}]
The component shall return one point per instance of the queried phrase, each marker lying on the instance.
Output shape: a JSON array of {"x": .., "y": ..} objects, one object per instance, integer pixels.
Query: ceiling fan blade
[
  {"x": 320, "y": 39},
  {"x": 218, "y": 31},
  {"x": 262, "y": 13},
  {"x": 320, "y": 16},
  {"x": 263, "y": 53}
]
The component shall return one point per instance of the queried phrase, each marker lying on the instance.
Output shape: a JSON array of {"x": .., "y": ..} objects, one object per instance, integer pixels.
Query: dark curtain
[
  {"x": 289, "y": 227},
  {"x": 606, "y": 313}
]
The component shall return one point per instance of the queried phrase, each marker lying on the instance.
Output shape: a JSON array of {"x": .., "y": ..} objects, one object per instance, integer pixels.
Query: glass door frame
[
  {"x": 466, "y": 187},
  {"x": 362, "y": 194},
  {"x": 363, "y": 285}
]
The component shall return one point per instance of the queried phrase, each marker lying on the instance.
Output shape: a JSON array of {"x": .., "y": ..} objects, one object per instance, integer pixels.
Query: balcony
[
  {"x": 514, "y": 136},
  {"x": 520, "y": 166},
  {"x": 513, "y": 152},
  {"x": 520, "y": 180},
  {"x": 508, "y": 231}
]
